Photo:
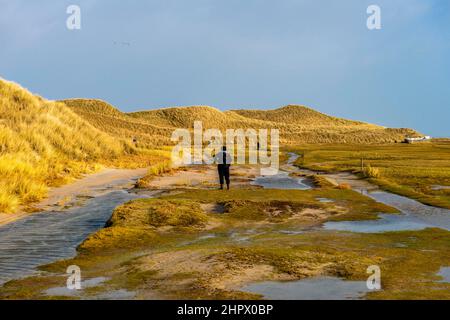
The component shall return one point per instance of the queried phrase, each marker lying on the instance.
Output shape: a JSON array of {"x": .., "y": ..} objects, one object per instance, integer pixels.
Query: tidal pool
[
  {"x": 65, "y": 292},
  {"x": 318, "y": 288},
  {"x": 48, "y": 236},
  {"x": 438, "y": 187},
  {"x": 445, "y": 274},
  {"x": 282, "y": 180},
  {"x": 414, "y": 216},
  {"x": 324, "y": 200},
  {"x": 386, "y": 223}
]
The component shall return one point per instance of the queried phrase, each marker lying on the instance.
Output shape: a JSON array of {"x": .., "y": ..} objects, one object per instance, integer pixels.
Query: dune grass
[
  {"x": 46, "y": 143},
  {"x": 297, "y": 124},
  {"x": 413, "y": 170},
  {"x": 157, "y": 213},
  {"x": 43, "y": 144},
  {"x": 105, "y": 117}
]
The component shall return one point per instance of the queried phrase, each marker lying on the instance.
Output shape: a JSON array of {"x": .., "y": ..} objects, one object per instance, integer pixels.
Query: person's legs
[
  {"x": 226, "y": 173},
  {"x": 221, "y": 175}
]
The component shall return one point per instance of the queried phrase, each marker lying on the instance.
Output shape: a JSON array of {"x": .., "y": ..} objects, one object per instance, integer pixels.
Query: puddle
[
  {"x": 282, "y": 180},
  {"x": 65, "y": 292},
  {"x": 233, "y": 235},
  {"x": 438, "y": 187},
  {"x": 48, "y": 236},
  {"x": 291, "y": 232},
  {"x": 197, "y": 240},
  {"x": 120, "y": 294},
  {"x": 244, "y": 235},
  {"x": 414, "y": 216},
  {"x": 292, "y": 158},
  {"x": 324, "y": 200},
  {"x": 445, "y": 274},
  {"x": 386, "y": 223},
  {"x": 319, "y": 288}
]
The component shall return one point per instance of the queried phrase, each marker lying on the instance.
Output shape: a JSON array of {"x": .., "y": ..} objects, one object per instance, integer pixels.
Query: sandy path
[
  {"x": 89, "y": 186},
  {"x": 203, "y": 177}
]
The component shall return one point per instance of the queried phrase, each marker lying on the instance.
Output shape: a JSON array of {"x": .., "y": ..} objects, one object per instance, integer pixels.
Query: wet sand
[{"x": 89, "y": 186}]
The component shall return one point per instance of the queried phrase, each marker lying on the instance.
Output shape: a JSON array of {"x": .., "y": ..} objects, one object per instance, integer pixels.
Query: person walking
[{"x": 223, "y": 160}]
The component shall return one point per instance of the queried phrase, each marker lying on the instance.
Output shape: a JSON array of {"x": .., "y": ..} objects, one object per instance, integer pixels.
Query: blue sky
[{"x": 239, "y": 54}]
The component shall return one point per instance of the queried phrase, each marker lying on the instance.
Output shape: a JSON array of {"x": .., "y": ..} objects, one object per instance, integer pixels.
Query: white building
[{"x": 419, "y": 139}]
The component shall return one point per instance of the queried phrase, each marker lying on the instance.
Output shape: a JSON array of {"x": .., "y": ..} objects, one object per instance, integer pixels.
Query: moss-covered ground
[{"x": 207, "y": 244}]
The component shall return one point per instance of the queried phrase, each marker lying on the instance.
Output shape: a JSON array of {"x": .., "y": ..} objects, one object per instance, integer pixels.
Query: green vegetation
[
  {"x": 207, "y": 244},
  {"x": 151, "y": 245},
  {"x": 157, "y": 213},
  {"x": 412, "y": 170},
  {"x": 251, "y": 203},
  {"x": 157, "y": 262}
]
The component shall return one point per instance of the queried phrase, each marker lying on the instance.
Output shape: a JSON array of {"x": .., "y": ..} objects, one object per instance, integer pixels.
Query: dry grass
[
  {"x": 371, "y": 172},
  {"x": 112, "y": 121},
  {"x": 43, "y": 143},
  {"x": 153, "y": 171},
  {"x": 158, "y": 213},
  {"x": 297, "y": 124}
]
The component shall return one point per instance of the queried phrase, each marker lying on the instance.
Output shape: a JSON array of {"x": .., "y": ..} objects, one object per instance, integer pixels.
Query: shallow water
[
  {"x": 48, "y": 236},
  {"x": 385, "y": 224},
  {"x": 324, "y": 200},
  {"x": 319, "y": 288},
  {"x": 64, "y": 291},
  {"x": 414, "y": 216},
  {"x": 282, "y": 180},
  {"x": 120, "y": 294},
  {"x": 291, "y": 232},
  {"x": 445, "y": 274},
  {"x": 438, "y": 187}
]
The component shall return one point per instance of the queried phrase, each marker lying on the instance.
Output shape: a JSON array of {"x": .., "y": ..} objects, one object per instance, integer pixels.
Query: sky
[{"x": 234, "y": 54}]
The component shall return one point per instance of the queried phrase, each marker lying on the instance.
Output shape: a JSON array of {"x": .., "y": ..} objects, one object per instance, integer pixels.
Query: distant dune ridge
[
  {"x": 45, "y": 143},
  {"x": 297, "y": 124}
]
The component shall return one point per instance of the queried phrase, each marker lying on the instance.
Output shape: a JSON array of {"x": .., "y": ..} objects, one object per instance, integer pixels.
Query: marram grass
[{"x": 44, "y": 143}]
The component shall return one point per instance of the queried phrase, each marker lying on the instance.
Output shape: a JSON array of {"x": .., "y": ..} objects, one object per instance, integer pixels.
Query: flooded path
[
  {"x": 283, "y": 179},
  {"x": 54, "y": 234},
  {"x": 73, "y": 193},
  {"x": 318, "y": 288},
  {"x": 414, "y": 215}
]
